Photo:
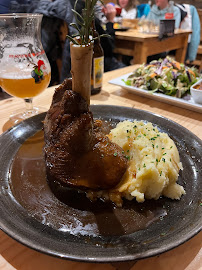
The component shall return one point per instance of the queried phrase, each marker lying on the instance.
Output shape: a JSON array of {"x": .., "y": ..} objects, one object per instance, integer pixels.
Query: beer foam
[
  {"x": 18, "y": 72},
  {"x": 15, "y": 76}
]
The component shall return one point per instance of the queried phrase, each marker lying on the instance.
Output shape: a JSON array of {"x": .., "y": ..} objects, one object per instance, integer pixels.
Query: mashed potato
[{"x": 153, "y": 167}]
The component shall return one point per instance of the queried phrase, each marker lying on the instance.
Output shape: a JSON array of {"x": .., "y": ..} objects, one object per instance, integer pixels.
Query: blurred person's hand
[{"x": 110, "y": 12}]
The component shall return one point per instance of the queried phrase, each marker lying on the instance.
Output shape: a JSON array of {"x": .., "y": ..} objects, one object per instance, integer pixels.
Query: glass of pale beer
[{"x": 24, "y": 68}]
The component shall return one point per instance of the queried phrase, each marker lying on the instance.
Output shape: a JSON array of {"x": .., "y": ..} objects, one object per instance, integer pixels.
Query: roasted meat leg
[{"x": 77, "y": 153}]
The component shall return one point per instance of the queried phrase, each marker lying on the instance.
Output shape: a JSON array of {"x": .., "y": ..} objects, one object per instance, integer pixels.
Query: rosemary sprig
[{"x": 84, "y": 23}]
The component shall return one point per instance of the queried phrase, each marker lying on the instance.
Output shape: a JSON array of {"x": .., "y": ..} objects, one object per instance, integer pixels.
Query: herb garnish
[{"x": 84, "y": 24}]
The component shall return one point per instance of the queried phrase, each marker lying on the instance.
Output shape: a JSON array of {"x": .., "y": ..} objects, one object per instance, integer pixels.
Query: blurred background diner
[
  {"x": 162, "y": 9},
  {"x": 115, "y": 15},
  {"x": 146, "y": 16},
  {"x": 56, "y": 25}
]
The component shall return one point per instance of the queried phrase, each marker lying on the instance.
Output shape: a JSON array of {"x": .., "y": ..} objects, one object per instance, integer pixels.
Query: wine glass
[{"x": 24, "y": 68}]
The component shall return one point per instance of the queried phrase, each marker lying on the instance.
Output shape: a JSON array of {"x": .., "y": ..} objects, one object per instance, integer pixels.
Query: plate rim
[{"x": 156, "y": 96}]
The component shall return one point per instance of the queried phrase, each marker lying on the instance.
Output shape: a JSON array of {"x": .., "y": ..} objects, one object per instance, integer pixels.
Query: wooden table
[
  {"x": 14, "y": 255},
  {"x": 141, "y": 45}
]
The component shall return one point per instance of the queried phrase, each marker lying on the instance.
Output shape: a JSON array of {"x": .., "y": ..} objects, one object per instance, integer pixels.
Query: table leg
[
  {"x": 140, "y": 53},
  {"x": 181, "y": 52}
]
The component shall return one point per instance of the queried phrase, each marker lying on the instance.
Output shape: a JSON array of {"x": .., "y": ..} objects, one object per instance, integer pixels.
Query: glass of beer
[{"x": 24, "y": 68}]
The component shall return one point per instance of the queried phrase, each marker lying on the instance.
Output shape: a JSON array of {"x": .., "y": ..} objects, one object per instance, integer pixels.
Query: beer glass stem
[{"x": 28, "y": 104}]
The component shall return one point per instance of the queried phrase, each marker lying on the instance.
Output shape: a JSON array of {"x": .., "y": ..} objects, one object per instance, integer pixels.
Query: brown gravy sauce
[{"x": 73, "y": 213}]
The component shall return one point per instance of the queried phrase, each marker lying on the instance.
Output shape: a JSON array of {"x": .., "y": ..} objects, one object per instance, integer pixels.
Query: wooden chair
[{"x": 199, "y": 52}]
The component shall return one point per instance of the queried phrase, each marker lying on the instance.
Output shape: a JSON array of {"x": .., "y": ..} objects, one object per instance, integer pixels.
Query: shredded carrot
[
  {"x": 150, "y": 66},
  {"x": 153, "y": 75},
  {"x": 191, "y": 71},
  {"x": 177, "y": 65},
  {"x": 174, "y": 70}
]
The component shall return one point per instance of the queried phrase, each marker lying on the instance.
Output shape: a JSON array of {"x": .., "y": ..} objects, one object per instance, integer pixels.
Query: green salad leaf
[{"x": 165, "y": 76}]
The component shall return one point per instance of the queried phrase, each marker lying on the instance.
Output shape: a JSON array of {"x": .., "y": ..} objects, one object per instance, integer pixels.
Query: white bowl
[{"x": 195, "y": 93}]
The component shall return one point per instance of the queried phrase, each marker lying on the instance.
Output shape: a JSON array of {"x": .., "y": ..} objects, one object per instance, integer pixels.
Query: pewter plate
[{"x": 183, "y": 219}]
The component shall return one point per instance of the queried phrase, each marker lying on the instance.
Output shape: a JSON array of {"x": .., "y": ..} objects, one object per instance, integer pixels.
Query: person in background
[
  {"x": 106, "y": 13},
  {"x": 4, "y": 6},
  {"x": 128, "y": 9},
  {"x": 143, "y": 9},
  {"x": 190, "y": 20},
  {"x": 124, "y": 9},
  {"x": 157, "y": 13},
  {"x": 107, "y": 20},
  {"x": 159, "y": 10}
]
